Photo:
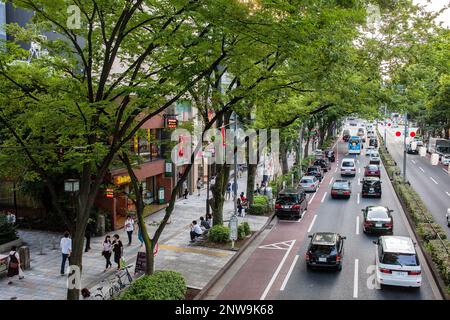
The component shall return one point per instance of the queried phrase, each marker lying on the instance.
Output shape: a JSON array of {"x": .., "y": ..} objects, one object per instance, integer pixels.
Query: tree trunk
[
  {"x": 251, "y": 177},
  {"x": 218, "y": 192},
  {"x": 306, "y": 153}
]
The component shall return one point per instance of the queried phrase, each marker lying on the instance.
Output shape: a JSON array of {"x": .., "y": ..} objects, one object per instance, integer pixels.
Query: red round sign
[
  {"x": 412, "y": 134},
  {"x": 398, "y": 133}
]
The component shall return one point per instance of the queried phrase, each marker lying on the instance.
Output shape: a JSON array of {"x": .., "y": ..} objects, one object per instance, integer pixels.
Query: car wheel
[{"x": 339, "y": 268}]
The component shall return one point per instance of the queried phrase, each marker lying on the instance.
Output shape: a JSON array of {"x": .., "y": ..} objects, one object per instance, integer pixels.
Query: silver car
[
  {"x": 309, "y": 183},
  {"x": 375, "y": 158}
]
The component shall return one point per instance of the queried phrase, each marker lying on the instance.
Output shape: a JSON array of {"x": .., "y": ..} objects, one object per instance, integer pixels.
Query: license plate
[
  {"x": 371, "y": 190},
  {"x": 400, "y": 273},
  {"x": 322, "y": 259},
  {"x": 286, "y": 207},
  {"x": 378, "y": 225},
  {"x": 348, "y": 170}
]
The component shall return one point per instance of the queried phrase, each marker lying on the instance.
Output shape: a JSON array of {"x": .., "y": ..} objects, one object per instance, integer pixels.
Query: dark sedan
[
  {"x": 372, "y": 170},
  {"x": 291, "y": 203},
  {"x": 341, "y": 189},
  {"x": 326, "y": 250},
  {"x": 323, "y": 163},
  {"x": 378, "y": 219},
  {"x": 371, "y": 186},
  {"x": 315, "y": 171}
]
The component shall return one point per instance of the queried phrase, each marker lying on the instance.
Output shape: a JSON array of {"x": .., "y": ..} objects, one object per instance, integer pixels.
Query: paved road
[
  {"x": 277, "y": 269},
  {"x": 432, "y": 183}
]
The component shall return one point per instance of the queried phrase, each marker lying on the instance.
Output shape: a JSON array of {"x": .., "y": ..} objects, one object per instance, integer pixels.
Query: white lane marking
[
  {"x": 289, "y": 273},
  {"x": 312, "y": 198},
  {"x": 357, "y": 225},
  {"x": 359, "y": 170},
  {"x": 413, "y": 161},
  {"x": 335, "y": 169},
  {"x": 275, "y": 275},
  {"x": 421, "y": 169},
  {"x": 434, "y": 180},
  {"x": 331, "y": 181},
  {"x": 447, "y": 193},
  {"x": 323, "y": 198},
  {"x": 359, "y": 180},
  {"x": 358, "y": 198},
  {"x": 312, "y": 223},
  {"x": 355, "y": 280}
]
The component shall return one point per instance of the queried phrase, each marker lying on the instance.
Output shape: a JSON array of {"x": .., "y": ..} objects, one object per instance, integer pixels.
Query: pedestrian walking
[
  {"x": 117, "y": 249},
  {"x": 228, "y": 192},
  {"x": 185, "y": 188},
  {"x": 13, "y": 264},
  {"x": 129, "y": 227},
  {"x": 239, "y": 207},
  {"x": 107, "y": 251},
  {"x": 88, "y": 234},
  {"x": 199, "y": 182},
  {"x": 66, "y": 250}
]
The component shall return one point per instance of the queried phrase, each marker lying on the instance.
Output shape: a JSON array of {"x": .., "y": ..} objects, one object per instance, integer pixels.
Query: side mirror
[
  {"x": 391, "y": 211},
  {"x": 375, "y": 241},
  {"x": 310, "y": 236},
  {"x": 343, "y": 238},
  {"x": 363, "y": 210}
]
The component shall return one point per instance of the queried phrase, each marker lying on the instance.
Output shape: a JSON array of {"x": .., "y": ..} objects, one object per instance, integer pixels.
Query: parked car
[
  {"x": 291, "y": 203},
  {"x": 309, "y": 183},
  {"x": 315, "y": 171},
  {"x": 323, "y": 163},
  {"x": 371, "y": 186},
  {"x": 318, "y": 153},
  {"x": 397, "y": 263},
  {"x": 341, "y": 188},
  {"x": 375, "y": 158},
  {"x": 330, "y": 155},
  {"x": 370, "y": 150},
  {"x": 326, "y": 250},
  {"x": 372, "y": 170},
  {"x": 445, "y": 159},
  {"x": 348, "y": 167},
  {"x": 378, "y": 219}
]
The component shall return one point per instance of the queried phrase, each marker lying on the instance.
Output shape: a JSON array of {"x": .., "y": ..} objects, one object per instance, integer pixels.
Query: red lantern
[
  {"x": 398, "y": 133},
  {"x": 412, "y": 134}
]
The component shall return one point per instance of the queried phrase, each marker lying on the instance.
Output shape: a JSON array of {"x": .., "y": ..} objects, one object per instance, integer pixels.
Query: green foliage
[
  {"x": 440, "y": 258},
  {"x": 219, "y": 234},
  {"x": 241, "y": 232},
  {"x": 246, "y": 228},
  {"x": 261, "y": 199},
  {"x": 426, "y": 232},
  {"x": 162, "y": 285},
  {"x": 8, "y": 232},
  {"x": 257, "y": 209}
]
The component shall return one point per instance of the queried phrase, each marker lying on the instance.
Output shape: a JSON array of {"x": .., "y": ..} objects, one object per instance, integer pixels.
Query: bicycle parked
[{"x": 116, "y": 285}]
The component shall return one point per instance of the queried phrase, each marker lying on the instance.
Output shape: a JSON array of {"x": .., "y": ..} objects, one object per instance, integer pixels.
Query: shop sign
[
  {"x": 109, "y": 193},
  {"x": 168, "y": 169},
  {"x": 172, "y": 123},
  {"x": 120, "y": 180}
]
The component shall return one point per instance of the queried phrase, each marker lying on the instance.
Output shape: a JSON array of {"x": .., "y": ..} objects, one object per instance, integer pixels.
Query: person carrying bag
[{"x": 13, "y": 265}]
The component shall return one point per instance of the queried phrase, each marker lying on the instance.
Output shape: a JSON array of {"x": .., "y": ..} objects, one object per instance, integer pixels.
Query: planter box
[{"x": 6, "y": 247}]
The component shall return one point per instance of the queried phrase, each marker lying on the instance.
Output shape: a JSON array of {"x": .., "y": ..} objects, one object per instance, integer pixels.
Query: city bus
[{"x": 354, "y": 145}]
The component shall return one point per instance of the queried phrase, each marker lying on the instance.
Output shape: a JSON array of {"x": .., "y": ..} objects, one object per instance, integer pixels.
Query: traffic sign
[
  {"x": 412, "y": 134},
  {"x": 233, "y": 225},
  {"x": 398, "y": 133}
]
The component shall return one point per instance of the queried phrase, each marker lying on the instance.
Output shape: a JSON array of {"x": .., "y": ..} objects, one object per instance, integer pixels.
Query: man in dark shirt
[{"x": 204, "y": 224}]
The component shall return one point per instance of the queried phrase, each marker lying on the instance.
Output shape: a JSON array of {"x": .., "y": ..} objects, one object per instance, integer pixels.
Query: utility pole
[
  {"x": 235, "y": 163},
  {"x": 385, "y": 126},
  {"x": 300, "y": 169},
  {"x": 404, "y": 147}
]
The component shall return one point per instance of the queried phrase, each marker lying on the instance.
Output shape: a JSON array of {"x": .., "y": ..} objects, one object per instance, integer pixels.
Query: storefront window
[{"x": 147, "y": 144}]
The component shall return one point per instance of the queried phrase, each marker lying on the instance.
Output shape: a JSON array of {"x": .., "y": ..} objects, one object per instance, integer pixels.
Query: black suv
[
  {"x": 323, "y": 163},
  {"x": 315, "y": 171},
  {"x": 371, "y": 186},
  {"x": 373, "y": 142},
  {"x": 326, "y": 249},
  {"x": 291, "y": 203}
]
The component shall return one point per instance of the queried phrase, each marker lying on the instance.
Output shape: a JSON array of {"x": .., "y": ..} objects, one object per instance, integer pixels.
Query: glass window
[{"x": 400, "y": 259}]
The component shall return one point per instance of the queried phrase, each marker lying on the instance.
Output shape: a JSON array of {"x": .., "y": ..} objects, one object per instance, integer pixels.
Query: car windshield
[
  {"x": 372, "y": 183},
  {"x": 379, "y": 213},
  {"x": 287, "y": 199},
  {"x": 348, "y": 164},
  {"x": 306, "y": 181},
  {"x": 340, "y": 185},
  {"x": 313, "y": 169},
  {"x": 374, "y": 154},
  {"x": 372, "y": 168},
  {"x": 401, "y": 259},
  {"x": 323, "y": 249}
]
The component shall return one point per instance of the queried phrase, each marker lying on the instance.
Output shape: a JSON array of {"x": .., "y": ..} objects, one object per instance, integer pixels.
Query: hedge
[
  {"x": 246, "y": 228},
  {"x": 8, "y": 232},
  {"x": 440, "y": 258},
  {"x": 219, "y": 234},
  {"x": 162, "y": 285},
  {"x": 425, "y": 230}
]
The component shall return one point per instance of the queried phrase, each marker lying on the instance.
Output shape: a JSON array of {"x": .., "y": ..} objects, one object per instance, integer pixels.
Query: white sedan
[{"x": 370, "y": 151}]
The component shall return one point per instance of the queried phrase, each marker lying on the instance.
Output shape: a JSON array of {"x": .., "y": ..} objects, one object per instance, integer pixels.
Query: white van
[
  {"x": 397, "y": 263},
  {"x": 348, "y": 167}
]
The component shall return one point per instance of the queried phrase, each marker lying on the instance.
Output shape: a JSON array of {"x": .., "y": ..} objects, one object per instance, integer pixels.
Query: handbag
[{"x": 13, "y": 265}]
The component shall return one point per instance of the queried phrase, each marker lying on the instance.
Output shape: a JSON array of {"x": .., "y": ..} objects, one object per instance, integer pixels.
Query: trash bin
[{"x": 24, "y": 255}]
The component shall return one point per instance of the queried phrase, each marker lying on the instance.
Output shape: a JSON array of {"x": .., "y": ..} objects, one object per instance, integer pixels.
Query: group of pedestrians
[{"x": 197, "y": 230}]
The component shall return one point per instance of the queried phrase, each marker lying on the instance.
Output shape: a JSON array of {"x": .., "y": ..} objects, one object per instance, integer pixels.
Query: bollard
[{"x": 41, "y": 248}]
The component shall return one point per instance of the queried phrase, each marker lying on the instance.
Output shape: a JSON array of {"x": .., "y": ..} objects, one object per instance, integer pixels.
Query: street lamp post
[
  {"x": 300, "y": 170},
  {"x": 72, "y": 186},
  {"x": 385, "y": 126},
  {"x": 235, "y": 164},
  {"x": 404, "y": 147}
]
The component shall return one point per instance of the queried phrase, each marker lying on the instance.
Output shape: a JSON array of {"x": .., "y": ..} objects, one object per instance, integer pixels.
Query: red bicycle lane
[{"x": 262, "y": 275}]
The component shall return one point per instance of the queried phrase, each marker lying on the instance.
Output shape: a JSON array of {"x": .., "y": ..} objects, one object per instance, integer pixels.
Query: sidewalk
[{"x": 198, "y": 265}]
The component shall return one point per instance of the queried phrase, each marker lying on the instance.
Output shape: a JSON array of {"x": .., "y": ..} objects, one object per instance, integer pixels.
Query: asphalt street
[
  {"x": 277, "y": 268},
  {"x": 432, "y": 183}
]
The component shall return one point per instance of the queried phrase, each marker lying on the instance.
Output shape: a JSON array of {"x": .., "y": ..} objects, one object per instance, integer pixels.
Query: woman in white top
[
  {"x": 107, "y": 250},
  {"x": 129, "y": 227},
  {"x": 13, "y": 264}
]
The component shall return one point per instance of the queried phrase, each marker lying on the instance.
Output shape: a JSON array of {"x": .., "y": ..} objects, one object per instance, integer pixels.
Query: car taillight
[
  {"x": 414, "y": 273},
  {"x": 346, "y": 193},
  {"x": 383, "y": 270},
  {"x": 338, "y": 258},
  {"x": 296, "y": 206},
  {"x": 389, "y": 225},
  {"x": 307, "y": 256},
  {"x": 312, "y": 186},
  {"x": 277, "y": 206},
  {"x": 368, "y": 223}
]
